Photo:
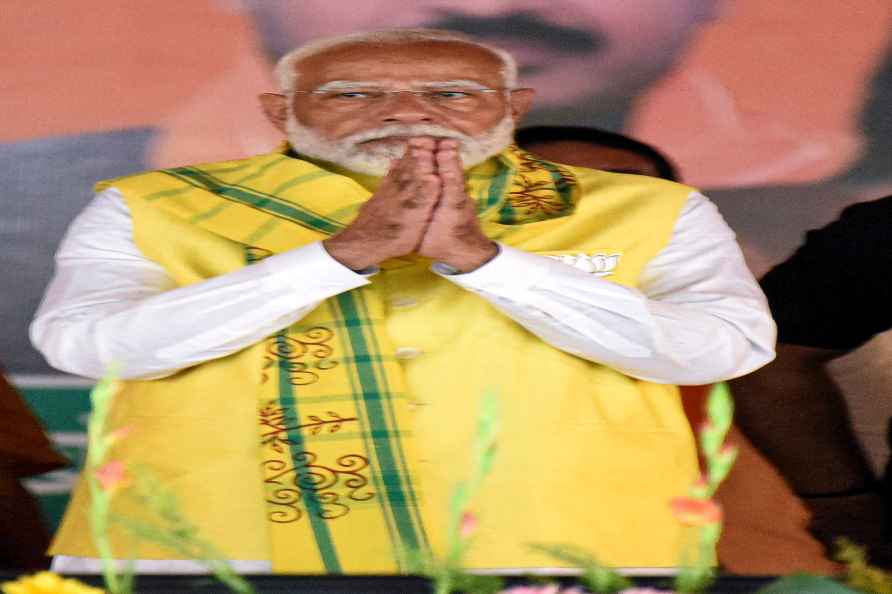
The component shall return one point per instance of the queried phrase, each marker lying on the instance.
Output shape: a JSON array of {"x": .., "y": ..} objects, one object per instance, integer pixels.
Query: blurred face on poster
[{"x": 570, "y": 51}]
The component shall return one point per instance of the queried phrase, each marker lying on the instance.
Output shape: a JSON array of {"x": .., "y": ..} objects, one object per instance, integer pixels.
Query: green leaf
[
  {"x": 595, "y": 576},
  {"x": 806, "y": 584},
  {"x": 691, "y": 580},
  {"x": 720, "y": 408},
  {"x": 171, "y": 529},
  {"x": 481, "y": 465},
  {"x": 478, "y": 584}
]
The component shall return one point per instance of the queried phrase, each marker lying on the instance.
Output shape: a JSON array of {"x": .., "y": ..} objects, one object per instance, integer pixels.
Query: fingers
[
  {"x": 422, "y": 159},
  {"x": 424, "y": 186},
  {"x": 450, "y": 170},
  {"x": 448, "y": 143},
  {"x": 412, "y": 186},
  {"x": 423, "y": 142},
  {"x": 393, "y": 221},
  {"x": 401, "y": 170},
  {"x": 416, "y": 162}
]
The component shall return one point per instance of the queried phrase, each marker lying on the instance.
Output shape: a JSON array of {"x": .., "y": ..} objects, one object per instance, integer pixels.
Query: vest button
[
  {"x": 402, "y": 302},
  {"x": 407, "y": 352}
]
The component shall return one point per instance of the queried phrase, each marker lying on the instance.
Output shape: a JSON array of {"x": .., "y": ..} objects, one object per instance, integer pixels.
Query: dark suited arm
[{"x": 795, "y": 414}]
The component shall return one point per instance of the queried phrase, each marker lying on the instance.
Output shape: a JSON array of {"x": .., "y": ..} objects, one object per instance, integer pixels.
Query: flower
[
  {"x": 696, "y": 512},
  {"x": 700, "y": 489},
  {"x": 46, "y": 582},
  {"x": 117, "y": 435},
  {"x": 111, "y": 475},
  {"x": 468, "y": 525},
  {"x": 727, "y": 454}
]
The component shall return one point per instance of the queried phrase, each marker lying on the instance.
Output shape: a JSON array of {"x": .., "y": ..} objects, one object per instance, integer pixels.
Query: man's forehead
[{"x": 419, "y": 61}]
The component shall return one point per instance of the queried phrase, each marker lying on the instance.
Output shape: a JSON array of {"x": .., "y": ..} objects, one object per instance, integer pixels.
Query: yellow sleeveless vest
[{"x": 324, "y": 451}]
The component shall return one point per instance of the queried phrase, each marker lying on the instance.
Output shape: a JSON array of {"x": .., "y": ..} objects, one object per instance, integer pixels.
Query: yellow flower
[{"x": 46, "y": 582}]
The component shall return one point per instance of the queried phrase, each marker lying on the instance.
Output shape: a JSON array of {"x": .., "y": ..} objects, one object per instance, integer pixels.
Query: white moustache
[
  {"x": 407, "y": 130},
  {"x": 376, "y": 160}
]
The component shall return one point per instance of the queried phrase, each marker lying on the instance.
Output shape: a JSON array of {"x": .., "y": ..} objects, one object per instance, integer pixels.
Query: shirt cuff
[
  {"x": 510, "y": 272},
  {"x": 312, "y": 266}
]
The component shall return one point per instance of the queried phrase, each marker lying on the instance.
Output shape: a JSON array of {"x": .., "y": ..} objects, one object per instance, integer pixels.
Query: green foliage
[
  {"x": 172, "y": 529},
  {"x": 481, "y": 466},
  {"x": 859, "y": 574},
  {"x": 595, "y": 576},
  {"x": 805, "y": 584},
  {"x": 696, "y": 571},
  {"x": 100, "y": 499},
  {"x": 175, "y": 532},
  {"x": 695, "y": 575},
  {"x": 469, "y": 583},
  {"x": 448, "y": 574},
  {"x": 719, "y": 460}
]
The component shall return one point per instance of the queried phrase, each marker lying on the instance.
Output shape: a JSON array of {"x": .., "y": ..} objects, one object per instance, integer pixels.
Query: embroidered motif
[
  {"x": 311, "y": 345},
  {"x": 528, "y": 163},
  {"x": 536, "y": 197},
  {"x": 277, "y": 422},
  {"x": 598, "y": 264},
  {"x": 333, "y": 487}
]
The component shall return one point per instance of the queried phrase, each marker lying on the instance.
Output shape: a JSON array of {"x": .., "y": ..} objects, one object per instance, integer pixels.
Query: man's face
[
  {"x": 568, "y": 50},
  {"x": 586, "y": 154},
  {"x": 346, "y": 110}
]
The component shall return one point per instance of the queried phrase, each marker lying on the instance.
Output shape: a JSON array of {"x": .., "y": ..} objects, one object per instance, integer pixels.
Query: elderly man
[{"x": 306, "y": 334}]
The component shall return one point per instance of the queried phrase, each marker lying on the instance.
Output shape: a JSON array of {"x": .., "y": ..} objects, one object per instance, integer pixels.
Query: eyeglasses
[{"x": 457, "y": 98}]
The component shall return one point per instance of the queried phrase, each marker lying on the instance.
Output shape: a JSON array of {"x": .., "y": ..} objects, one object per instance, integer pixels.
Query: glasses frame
[{"x": 416, "y": 92}]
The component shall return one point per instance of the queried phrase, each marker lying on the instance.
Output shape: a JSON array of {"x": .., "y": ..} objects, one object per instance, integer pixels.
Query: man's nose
[{"x": 404, "y": 107}]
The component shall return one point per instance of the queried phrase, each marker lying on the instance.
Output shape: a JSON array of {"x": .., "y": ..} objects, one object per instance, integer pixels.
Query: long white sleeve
[
  {"x": 698, "y": 315},
  {"x": 108, "y": 303}
]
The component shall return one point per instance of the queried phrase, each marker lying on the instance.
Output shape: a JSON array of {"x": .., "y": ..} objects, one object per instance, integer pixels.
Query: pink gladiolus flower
[
  {"x": 696, "y": 512},
  {"x": 118, "y": 434},
  {"x": 111, "y": 475},
  {"x": 728, "y": 452},
  {"x": 468, "y": 525},
  {"x": 700, "y": 488}
]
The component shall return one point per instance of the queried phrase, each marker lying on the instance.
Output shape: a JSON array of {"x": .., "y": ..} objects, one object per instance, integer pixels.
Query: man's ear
[
  {"x": 520, "y": 101},
  {"x": 275, "y": 108}
]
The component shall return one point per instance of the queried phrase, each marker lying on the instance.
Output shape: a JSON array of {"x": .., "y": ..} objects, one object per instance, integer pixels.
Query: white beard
[{"x": 376, "y": 159}]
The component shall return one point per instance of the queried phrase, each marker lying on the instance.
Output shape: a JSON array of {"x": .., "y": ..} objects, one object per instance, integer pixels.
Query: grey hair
[{"x": 286, "y": 71}]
